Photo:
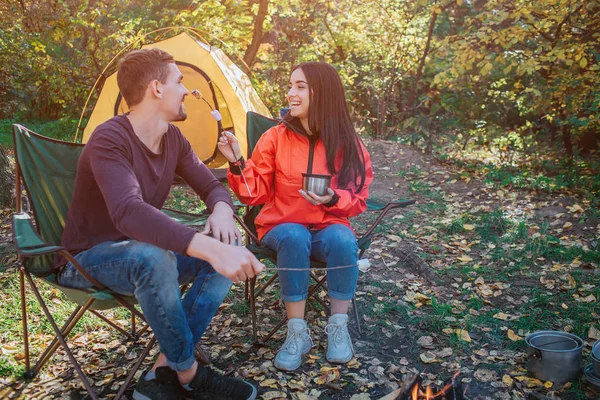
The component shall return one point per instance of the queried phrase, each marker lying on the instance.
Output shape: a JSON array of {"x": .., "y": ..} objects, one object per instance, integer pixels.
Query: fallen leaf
[
  {"x": 445, "y": 352},
  {"x": 468, "y": 227},
  {"x": 272, "y": 383},
  {"x": 328, "y": 377},
  {"x": 428, "y": 357},
  {"x": 594, "y": 333},
  {"x": 463, "y": 335},
  {"x": 485, "y": 375},
  {"x": 507, "y": 380},
  {"x": 274, "y": 395},
  {"x": 513, "y": 336},
  {"x": 572, "y": 282},
  {"x": 426, "y": 342},
  {"x": 502, "y": 316}
]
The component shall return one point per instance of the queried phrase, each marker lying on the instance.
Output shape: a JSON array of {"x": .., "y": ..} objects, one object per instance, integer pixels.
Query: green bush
[{"x": 62, "y": 129}]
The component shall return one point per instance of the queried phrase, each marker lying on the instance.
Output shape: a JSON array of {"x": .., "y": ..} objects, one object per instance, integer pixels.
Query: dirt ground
[{"x": 394, "y": 341}]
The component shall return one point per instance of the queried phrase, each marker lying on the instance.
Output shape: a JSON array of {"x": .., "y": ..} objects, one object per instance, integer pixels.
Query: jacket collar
[{"x": 295, "y": 125}]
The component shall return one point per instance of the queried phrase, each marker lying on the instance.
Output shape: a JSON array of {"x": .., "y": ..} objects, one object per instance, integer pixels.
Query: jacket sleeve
[
  {"x": 352, "y": 203},
  {"x": 258, "y": 171}
]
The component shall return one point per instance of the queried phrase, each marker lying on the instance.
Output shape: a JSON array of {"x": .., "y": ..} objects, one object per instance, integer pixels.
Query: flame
[{"x": 430, "y": 393}]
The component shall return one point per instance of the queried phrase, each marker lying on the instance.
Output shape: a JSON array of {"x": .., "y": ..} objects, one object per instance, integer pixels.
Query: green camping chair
[
  {"x": 256, "y": 125},
  {"x": 47, "y": 168}
]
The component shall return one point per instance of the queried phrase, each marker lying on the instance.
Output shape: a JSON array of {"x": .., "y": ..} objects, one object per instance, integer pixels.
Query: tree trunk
[
  {"x": 566, "y": 136},
  {"x": 256, "y": 35},
  {"x": 381, "y": 116},
  {"x": 412, "y": 96}
]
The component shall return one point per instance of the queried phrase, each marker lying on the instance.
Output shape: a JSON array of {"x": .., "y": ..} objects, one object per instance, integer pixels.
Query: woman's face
[{"x": 298, "y": 95}]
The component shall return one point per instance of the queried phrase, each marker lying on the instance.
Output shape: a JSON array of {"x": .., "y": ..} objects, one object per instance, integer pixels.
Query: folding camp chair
[
  {"x": 47, "y": 168},
  {"x": 256, "y": 125}
]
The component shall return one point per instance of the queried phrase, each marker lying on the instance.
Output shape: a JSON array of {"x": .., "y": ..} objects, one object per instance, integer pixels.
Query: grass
[
  {"x": 183, "y": 199},
  {"x": 546, "y": 177}
]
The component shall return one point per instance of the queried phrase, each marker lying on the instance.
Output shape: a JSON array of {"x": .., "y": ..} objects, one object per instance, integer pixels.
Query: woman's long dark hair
[{"x": 328, "y": 116}]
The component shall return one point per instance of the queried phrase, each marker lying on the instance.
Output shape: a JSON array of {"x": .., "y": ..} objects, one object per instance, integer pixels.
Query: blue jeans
[
  {"x": 153, "y": 275},
  {"x": 295, "y": 245}
]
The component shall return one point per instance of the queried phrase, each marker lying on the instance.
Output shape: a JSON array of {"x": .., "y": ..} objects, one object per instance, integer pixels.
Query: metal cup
[{"x": 318, "y": 184}]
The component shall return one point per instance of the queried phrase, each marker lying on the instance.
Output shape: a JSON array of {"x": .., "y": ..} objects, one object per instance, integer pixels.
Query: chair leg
[
  {"x": 24, "y": 320},
  {"x": 275, "y": 329},
  {"x": 135, "y": 367},
  {"x": 356, "y": 315},
  {"x": 132, "y": 324},
  {"x": 265, "y": 285},
  {"x": 61, "y": 339},
  {"x": 253, "y": 307},
  {"x": 65, "y": 330},
  {"x": 117, "y": 327}
]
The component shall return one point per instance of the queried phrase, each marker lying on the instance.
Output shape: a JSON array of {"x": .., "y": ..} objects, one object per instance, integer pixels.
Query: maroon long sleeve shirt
[{"x": 121, "y": 186}]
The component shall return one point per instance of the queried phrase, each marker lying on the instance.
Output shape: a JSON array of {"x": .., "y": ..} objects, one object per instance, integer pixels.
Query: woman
[{"x": 317, "y": 137}]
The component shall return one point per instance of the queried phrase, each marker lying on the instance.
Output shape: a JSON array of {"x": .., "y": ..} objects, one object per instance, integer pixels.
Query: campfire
[{"x": 413, "y": 389}]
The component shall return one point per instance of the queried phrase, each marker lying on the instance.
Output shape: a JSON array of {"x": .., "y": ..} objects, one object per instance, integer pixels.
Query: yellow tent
[{"x": 220, "y": 82}]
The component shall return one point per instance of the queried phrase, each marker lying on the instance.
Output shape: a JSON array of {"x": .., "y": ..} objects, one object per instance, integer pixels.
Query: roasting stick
[{"x": 217, "y": 117}]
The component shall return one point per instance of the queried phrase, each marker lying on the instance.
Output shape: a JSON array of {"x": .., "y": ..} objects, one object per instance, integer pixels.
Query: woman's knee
[
  {"x": 292, "y": 236},
  {"x": 340, "y": 237}
]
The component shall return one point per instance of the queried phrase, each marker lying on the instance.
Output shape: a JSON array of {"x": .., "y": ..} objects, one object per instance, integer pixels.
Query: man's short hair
[{"x": 140, "y": 67}]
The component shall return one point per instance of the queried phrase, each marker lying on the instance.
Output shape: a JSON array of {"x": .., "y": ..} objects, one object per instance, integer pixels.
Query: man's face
[{"x": 174, "y": 93}]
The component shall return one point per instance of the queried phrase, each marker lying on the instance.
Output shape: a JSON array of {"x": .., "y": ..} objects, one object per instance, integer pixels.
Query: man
[{"x": 120, "y": 236}]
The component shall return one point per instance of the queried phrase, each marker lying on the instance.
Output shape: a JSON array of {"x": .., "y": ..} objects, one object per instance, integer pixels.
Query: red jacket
[{"x": 274, "y": 175}]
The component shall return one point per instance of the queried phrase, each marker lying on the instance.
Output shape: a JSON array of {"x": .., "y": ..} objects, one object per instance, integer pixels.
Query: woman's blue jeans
[
  {"x": 154, "y": 275},
  {"x": 295, "y": 245}
]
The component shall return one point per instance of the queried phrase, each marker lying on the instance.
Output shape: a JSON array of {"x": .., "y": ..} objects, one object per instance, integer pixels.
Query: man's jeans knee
[{"x": 154, "y": 275}]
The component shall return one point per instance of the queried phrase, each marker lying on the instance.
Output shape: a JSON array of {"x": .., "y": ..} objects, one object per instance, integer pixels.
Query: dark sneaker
[
  {"x": 208, "y": 385},
  {"x": 165, "y": 387}
]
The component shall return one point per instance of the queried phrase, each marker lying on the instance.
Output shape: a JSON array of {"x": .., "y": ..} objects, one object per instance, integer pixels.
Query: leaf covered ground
[{"x": 455, "y": 283}]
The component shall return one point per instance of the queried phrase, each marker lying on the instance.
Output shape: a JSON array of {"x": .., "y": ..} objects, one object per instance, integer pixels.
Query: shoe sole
[
  {"x": 340, "y": 361},
  {"x": 138, "y": 396},
  {"x": 282, "y": 368}
]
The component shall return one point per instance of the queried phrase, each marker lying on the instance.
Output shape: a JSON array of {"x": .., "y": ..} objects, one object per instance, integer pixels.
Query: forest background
[{"x": 518, "y": 78}]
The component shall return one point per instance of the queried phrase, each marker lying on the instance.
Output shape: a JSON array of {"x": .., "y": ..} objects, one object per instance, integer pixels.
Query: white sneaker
[
  {"x": 297, "y": 343},
  {"x": 339, "y": 344}
]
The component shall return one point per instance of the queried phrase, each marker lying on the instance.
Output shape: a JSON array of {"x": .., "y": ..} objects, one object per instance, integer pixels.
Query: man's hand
[
  {"x": 222, "y": 225},
  {"x": 235, "y": 263},
  {"x": 316, "y": 199}
]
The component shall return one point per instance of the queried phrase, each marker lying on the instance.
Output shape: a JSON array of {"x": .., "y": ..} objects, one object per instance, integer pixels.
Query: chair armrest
[
  {"x": 27, "y": 240},
  {"x": 365, "y": 239},
  {"x": 374, "y": 205},
  {"x": 30, "y": 244},
  {"x": 188, "y": 219}
]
